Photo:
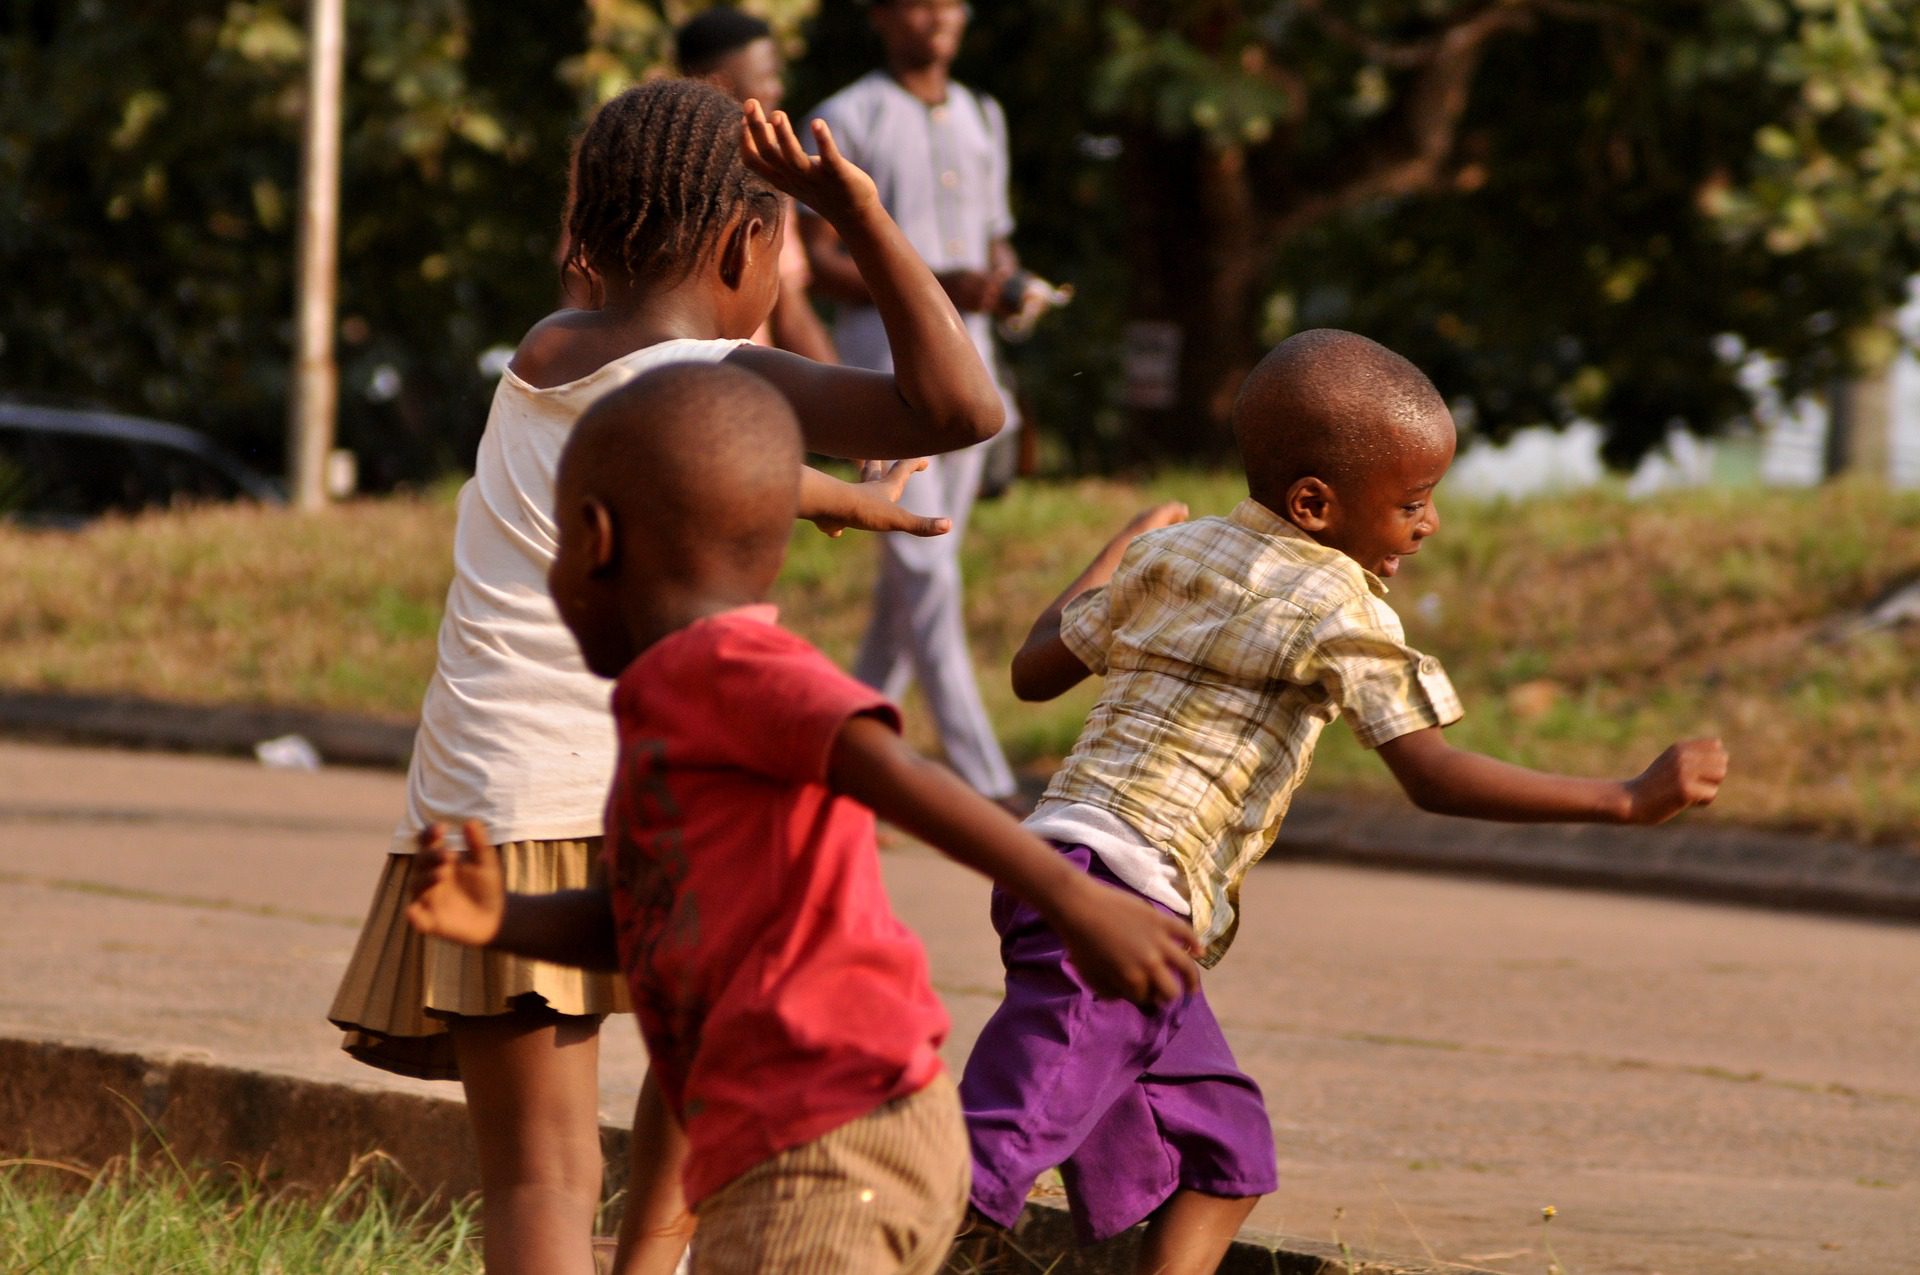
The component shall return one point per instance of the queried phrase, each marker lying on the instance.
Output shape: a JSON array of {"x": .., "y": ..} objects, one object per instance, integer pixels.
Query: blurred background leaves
[{"x": 1559, "y": 208}]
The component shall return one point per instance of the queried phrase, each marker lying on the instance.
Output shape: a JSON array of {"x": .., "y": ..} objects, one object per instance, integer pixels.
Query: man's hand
[
  {"x": 462, "y": 897},
  {"x": 1687, "y": 774},
  {"x": 976, "y": 291},
  {"x": 830, "y": 184},
  {"x": 872, "y": 504},
  {"x": 1124, "y": 947}
]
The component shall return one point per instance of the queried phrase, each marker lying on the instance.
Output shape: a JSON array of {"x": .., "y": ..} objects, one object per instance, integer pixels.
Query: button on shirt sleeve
[
  {"x": 1086, "y": 626},
  {"x": 1359, "y": 653}
]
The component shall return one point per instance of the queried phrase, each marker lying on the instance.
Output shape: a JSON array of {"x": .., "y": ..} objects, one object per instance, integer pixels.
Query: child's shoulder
[
  {"x": 1253, "y": 556},
  {"x": 745, "y": 638},
  {"x": 562, "y": 347}
]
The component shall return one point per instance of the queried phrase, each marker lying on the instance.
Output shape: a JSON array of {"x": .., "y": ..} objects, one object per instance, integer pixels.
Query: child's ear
[
  {"x": 738, "y": 249},
  {"x": 1310, "y": 503},
  {"x": 603, "y": 537}
]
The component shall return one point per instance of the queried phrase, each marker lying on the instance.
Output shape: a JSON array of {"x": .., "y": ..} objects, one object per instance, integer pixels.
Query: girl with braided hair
[{"x": 674, "y": 222}]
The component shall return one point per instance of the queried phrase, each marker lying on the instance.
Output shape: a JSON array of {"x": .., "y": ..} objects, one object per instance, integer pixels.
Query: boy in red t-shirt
[{"x": 792, "y": 1027}]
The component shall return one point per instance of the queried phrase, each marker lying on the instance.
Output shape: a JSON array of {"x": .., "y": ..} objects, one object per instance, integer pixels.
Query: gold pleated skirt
[{"x": 401, "y": 990}]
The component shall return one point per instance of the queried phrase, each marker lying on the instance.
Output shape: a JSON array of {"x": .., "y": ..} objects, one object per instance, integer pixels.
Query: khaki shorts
[
  {"x": 883, "y": 1195},
  {"x": 401, "y": 991}
]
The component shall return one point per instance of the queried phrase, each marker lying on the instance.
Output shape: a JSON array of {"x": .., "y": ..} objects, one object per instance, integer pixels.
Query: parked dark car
[{"x": 61, "y": 467}]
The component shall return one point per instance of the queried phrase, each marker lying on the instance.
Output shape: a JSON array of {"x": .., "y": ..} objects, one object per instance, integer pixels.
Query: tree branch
[
  {"x": 1432, "y": 109},
  {"x": 1415, "y": 158}
]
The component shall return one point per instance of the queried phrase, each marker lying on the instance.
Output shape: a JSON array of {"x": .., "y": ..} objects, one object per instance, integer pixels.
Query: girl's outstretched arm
[
  {"x": 939, "y": 397},
  {"x": 872, "y": 504}
]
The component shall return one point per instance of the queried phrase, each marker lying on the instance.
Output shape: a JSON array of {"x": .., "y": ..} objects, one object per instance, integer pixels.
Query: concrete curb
[
  {"x": 83, "y": 1104},
  {"x": 131, "y": 721},
  {"x": 1696, "y": 860}
]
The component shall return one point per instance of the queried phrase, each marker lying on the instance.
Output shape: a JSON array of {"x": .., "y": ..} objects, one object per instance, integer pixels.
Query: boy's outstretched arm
[
  {"x": 462, "y": 896},
  {"x": 1452, "y": 781},
  {"x": 939, "y": 396},
  {"x": 873, "y": 504},
  {"x": 1043, "y": 667},
  {"x": 1120, "y": 945}
]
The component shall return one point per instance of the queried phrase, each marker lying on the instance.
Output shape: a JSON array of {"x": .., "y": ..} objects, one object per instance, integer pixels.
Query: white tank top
[{"x": 514, "y": 731}]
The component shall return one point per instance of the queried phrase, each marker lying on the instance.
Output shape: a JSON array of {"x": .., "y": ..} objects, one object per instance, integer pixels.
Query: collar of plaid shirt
[{"x": 1256, "y": 517}]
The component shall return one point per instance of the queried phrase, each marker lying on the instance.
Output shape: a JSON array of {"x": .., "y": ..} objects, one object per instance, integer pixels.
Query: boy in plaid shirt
[{"x": 1227, "y": 644}]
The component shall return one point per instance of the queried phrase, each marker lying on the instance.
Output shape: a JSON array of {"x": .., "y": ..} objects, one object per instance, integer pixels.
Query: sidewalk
[
  {"x": 1695, "y": 1088},
  {"x": 1690, "y": 858}
]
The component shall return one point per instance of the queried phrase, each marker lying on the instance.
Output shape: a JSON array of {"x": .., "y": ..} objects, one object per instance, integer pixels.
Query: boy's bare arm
[
  {"x": 463, "y": 897},
  {"x": 1452, "y": 781},
  {"x": 1121, "y": 945},
  {"x": 1043, "y": 667},
  {"x": 939, "y": 396},
  {"x": 870, "y": 505}
]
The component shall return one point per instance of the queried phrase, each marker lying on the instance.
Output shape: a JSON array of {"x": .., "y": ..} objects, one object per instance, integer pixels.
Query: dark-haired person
[
  {"x": 675, "y": 212},
  {"x": 938, "y": 152},
  {"x": 736, "y": 53}
]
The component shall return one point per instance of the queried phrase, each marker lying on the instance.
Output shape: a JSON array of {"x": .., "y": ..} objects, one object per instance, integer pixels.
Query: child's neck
[
  {"x": 678, "y": 311},
  {"x": 666, "y": 607}
]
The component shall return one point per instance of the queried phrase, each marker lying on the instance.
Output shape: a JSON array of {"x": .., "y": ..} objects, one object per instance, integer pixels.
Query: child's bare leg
[
  {"x": 657, "y": 1224},
  {"x": 533, "y": 1095},
  {"x": 1189, "y": 1234}
]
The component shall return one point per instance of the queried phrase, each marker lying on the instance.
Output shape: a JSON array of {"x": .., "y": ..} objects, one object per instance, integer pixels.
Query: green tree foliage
[
  {"x": 1558, "y": 207},
  {"x": 153, "y": 162}
]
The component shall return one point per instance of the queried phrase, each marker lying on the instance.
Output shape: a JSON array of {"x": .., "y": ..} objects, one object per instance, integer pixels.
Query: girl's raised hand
[
  {"x": 462, "y": 897},
  {"x": 830, "y": 183}
]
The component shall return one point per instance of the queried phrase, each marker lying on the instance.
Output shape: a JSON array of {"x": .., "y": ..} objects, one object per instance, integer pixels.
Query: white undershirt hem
[{"x": 1135, "y": 860}]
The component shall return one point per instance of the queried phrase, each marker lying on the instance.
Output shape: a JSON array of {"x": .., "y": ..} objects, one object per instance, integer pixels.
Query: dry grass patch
[{"x": 1584, "y": 632}]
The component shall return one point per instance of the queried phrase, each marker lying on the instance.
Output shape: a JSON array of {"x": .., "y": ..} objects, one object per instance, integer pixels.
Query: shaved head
[
  {"x": 1333, "y": 405},
  {"x": 701, "y": 460}
]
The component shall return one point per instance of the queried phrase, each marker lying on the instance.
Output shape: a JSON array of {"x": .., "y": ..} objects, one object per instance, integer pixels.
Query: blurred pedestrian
[
  {"x": 736, "y": 53},
  {"x": 938, "y": 152}
]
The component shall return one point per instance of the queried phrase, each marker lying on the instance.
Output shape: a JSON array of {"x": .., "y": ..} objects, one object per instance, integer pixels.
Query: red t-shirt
[{"x": 778, "y": 996}]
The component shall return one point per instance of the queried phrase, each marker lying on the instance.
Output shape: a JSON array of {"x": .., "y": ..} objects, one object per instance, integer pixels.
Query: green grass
[
  {"x": 1584, "y": 632},
  {"x": 149, "y": 1216}
]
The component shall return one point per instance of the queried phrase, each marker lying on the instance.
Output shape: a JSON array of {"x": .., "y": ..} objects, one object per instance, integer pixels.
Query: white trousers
[{"x": 918, "y": 632}]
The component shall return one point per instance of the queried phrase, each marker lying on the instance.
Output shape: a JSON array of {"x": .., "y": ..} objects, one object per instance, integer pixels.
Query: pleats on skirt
[{"x": 401, "y": 990}]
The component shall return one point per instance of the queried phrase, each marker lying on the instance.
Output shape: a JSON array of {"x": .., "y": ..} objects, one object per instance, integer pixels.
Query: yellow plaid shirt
[{"x": 1227, "y": 644}]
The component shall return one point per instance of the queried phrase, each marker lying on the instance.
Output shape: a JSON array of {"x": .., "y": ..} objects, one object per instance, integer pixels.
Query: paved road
[{"x": 1695, "y": 1089}]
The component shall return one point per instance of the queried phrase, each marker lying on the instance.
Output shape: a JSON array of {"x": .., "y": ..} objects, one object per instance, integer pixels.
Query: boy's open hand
[
  {"x": 1125, "y": 949},
  {"x": 1687, "y": 774},
  {"x": 873, "y": 504},
  {"x": 830, "y": 183},
  {"x": 462, "y": 897}
]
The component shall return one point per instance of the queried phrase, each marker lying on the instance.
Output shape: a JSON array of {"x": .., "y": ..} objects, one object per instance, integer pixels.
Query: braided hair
[{"x": 656, "y": 178}]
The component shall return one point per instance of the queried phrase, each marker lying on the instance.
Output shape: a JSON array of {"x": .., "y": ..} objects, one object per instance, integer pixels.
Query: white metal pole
[{"x": 311, "y": 409}]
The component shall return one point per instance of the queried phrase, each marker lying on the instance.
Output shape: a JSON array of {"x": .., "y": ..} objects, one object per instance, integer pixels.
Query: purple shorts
[{"x": 1131, "y": 1104}]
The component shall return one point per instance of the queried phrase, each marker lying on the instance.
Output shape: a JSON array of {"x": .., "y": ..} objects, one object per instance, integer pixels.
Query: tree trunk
[
  {"x": 1860, "y": 426},
  {"x": 1194, "y": 320}
]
